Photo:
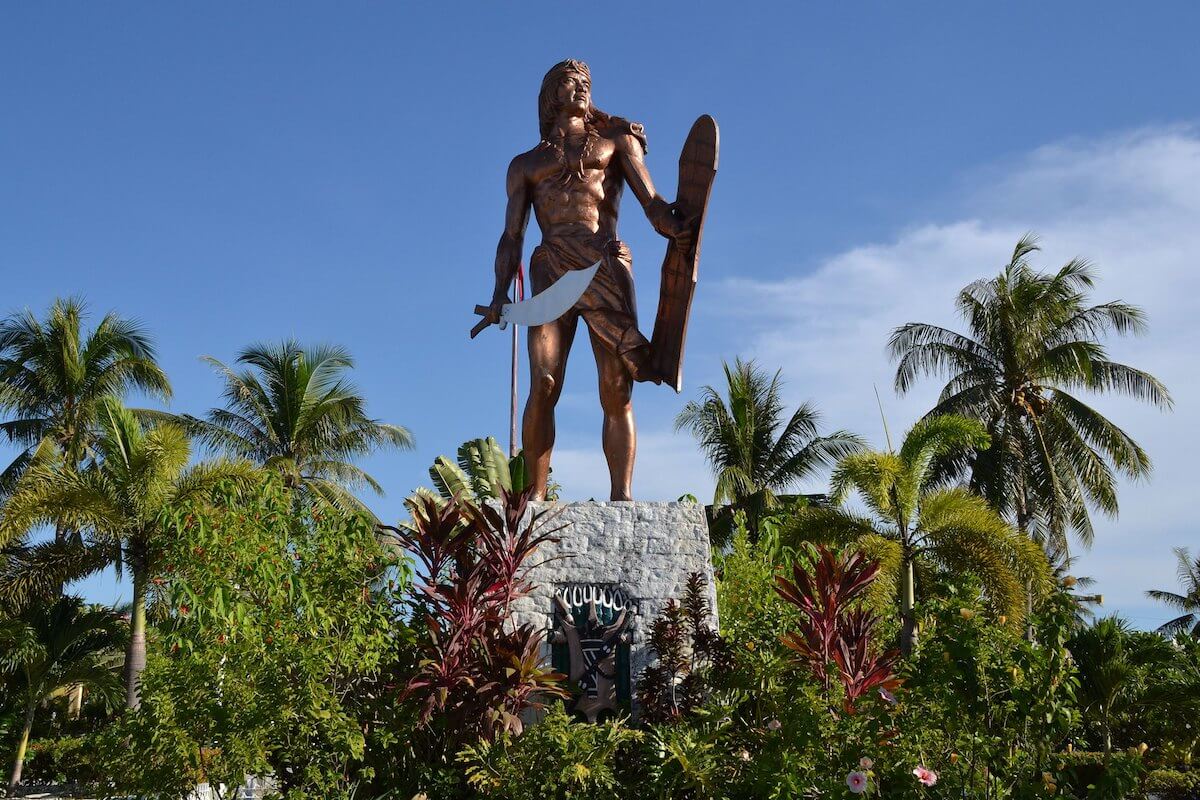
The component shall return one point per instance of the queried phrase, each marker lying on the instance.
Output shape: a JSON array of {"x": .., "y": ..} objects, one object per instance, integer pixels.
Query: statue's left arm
[{"x": 662, "y": 215}]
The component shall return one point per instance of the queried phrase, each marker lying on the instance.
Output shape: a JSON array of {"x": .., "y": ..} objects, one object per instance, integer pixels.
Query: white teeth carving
[{"x": 603, "y": 596}]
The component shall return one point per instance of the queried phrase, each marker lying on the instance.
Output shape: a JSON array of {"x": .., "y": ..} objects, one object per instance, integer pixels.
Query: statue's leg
[
  {"x": 549, "y": 346},
  {"x": 619, "y": 437}
]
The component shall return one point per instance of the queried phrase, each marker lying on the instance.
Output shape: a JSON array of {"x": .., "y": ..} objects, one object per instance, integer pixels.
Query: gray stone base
[{"x": 646, "y": 550}]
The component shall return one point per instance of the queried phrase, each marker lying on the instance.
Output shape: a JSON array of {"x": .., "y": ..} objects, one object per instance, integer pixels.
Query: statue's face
[{"x": 574, "y": 93}]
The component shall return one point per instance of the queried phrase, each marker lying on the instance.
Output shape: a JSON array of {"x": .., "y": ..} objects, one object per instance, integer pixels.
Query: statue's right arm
[{"x": 512, "y": 241}]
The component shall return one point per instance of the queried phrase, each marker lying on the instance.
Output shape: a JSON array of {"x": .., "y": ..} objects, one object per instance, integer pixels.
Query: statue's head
[{"x": 567, "y": 86}]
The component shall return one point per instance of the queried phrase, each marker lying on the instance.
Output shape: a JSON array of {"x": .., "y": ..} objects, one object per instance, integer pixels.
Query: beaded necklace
[{"x": 572, "y": 172}]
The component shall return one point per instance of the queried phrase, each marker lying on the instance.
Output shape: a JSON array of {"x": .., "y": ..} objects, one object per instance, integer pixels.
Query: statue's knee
[
  {"x": 616, "y": 401},
  {"x": 543, "y": 385}
]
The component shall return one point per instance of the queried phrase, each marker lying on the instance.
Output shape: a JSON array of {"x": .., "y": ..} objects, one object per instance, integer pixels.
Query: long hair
[{"x": 548, "y": 105}]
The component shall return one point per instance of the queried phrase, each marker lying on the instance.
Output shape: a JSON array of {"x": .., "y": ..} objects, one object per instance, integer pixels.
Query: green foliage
[
  {"x": 481, "y": 473},
  {"x": 54, "y": 380},
  {"x": 64, "y": 760},
  {"x": 294, "y": 411},
  {"x": 1098, "y": 776},
  {"x": 1116, "y": 665},
  {"x": 754, "y": 449},
  {"x": 557, "y": 758},
  {"x": 274, "y": 635},
  {"x": 1003, "y": 706},
  {"x": 1171, "y": 784},
  {"x": 138, "y": 473},
  {"x": 47, "y": 649},
  {"x": 688, "y": 762},
  {"x": 1188, "y": 572},
  {"x": 752, "y": 612},
  {"x": 1033, "y": 342},
  {"x": 1168, "y": 705},
  {"x": 912, "y": 521}
]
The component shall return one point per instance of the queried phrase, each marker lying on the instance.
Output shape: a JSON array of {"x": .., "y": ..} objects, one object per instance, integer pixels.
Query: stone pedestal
[{"x": 638, "y": 554}]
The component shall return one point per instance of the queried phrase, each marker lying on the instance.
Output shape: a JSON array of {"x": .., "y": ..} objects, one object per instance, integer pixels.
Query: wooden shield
[{"x": 697, "y": 168}]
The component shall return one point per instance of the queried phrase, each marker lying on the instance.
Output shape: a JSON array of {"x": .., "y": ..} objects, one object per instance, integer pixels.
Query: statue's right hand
[
  {"x": 489, "y": 315},
  {"x": 498, "y": 303}
]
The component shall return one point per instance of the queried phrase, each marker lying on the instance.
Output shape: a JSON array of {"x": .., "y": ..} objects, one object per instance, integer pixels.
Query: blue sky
[{"x": 229, "y": 173}]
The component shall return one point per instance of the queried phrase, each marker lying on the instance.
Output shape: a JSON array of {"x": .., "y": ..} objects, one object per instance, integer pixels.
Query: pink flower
[
  {"x": 866, "y": 763},
  {"x": 926, "y": 776},
  {"x": 774, "y": 725},
  {"x": 886, "y": 695},
  {"x": 857, "y": 782}
]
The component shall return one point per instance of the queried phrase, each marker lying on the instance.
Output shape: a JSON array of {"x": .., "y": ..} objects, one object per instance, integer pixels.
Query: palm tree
[
  {"x": 51, "y": 648},
  {"x": 912, "y": 520},
  {"x": 1109, "y": 656},
  {"x": 54, "y": 379},
  {"x": 116, "y": 503},
  {"x": 293, "y": 411},
  {"x": 1188, "y": 571},
  {"x": 1033, "y": 343},
  {"x": 755, "y": 450}
]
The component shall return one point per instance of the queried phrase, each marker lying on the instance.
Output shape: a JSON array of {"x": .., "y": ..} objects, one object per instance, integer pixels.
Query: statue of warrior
[{"x": 573, "y": 180}]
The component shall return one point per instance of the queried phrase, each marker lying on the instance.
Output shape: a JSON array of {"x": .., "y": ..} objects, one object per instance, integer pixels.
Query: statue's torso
[{"x": 568, "y": 204}]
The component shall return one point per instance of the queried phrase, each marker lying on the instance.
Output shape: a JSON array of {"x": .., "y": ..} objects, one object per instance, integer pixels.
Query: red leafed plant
[
  {"x": 478, "y": 672},
  {"x": 836, "y": 635},
  {"x": 689, "y": 655}
]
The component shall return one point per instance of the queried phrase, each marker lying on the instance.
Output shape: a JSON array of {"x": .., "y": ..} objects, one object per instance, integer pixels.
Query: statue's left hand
[
  {"x": 670, "y": 221},
  {"x": 682, "y": 228}
]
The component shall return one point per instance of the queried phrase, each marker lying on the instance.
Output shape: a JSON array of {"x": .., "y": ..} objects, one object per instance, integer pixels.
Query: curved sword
[{"x": 546, "y": 306}]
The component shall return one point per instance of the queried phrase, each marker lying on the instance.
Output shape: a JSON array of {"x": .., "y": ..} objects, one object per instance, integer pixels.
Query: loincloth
[{"x": 609, "y": 304}]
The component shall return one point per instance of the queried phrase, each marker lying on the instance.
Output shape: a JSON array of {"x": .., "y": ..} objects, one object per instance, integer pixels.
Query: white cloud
[{"x": 1130, "y": 204}]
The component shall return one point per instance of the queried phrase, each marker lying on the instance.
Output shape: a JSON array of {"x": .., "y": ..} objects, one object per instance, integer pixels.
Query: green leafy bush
[
  {"x": 64, "y": 760},
  {"x": 1171, "y": 784},
  {"x": 1098, "y": 776},
  {"x": 557, "y": 758},
  {"x": 273, "y": 635}
]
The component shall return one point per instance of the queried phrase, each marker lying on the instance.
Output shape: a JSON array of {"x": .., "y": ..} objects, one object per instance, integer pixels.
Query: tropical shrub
[
  {"x": 480, "y": 471},
  {"x": 1096, "y": 776},
  {"x": 1116, "y": 666},
  {"x": 689, "y": 656},
  {"x": 64, "y": 760},
  {"x": 1171, "y": 784},
  {"x": 46, "y": 650},
  {"x": 557, "y": 758},
  {"x": 831, "y": 631},
  {"x": 914, "y": 522},
  {"x": 478, "y": 672},
  {"x": 272, "y": 634},
  {"x": 1003, "y": 707}
]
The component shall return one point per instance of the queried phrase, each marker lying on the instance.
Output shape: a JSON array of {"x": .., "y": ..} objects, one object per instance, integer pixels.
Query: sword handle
[{"x": 489, "y": 318}]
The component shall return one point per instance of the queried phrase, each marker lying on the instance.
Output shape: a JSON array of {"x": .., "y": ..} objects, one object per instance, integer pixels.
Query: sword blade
[{"x": 552, "y": 302}]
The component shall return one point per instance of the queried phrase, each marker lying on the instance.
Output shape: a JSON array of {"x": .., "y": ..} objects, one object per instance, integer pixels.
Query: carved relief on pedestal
[{"x": 591, "y": 645}]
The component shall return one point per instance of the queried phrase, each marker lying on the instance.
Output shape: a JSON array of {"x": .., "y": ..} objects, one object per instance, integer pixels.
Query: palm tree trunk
[
  {"x": 908, "y": 620},
  {"x": 23, "y": 746},
  {"x": 75, "y": 704},
  {"x": 135, "y": 653},
  {"x": 1023, "y": 520}
]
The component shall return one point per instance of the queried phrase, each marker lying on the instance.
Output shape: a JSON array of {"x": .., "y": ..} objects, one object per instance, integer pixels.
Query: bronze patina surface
[
  {"x": 697, "y": 168},
  {"x": 573, "y": 180}
]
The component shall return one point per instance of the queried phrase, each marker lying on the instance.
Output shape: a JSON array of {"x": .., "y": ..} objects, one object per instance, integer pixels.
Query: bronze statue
[{"x": 573, "y": 180}]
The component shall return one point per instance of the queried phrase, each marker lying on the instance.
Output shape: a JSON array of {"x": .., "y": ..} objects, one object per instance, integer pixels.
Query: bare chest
[{"x": 592, "y": 162}]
